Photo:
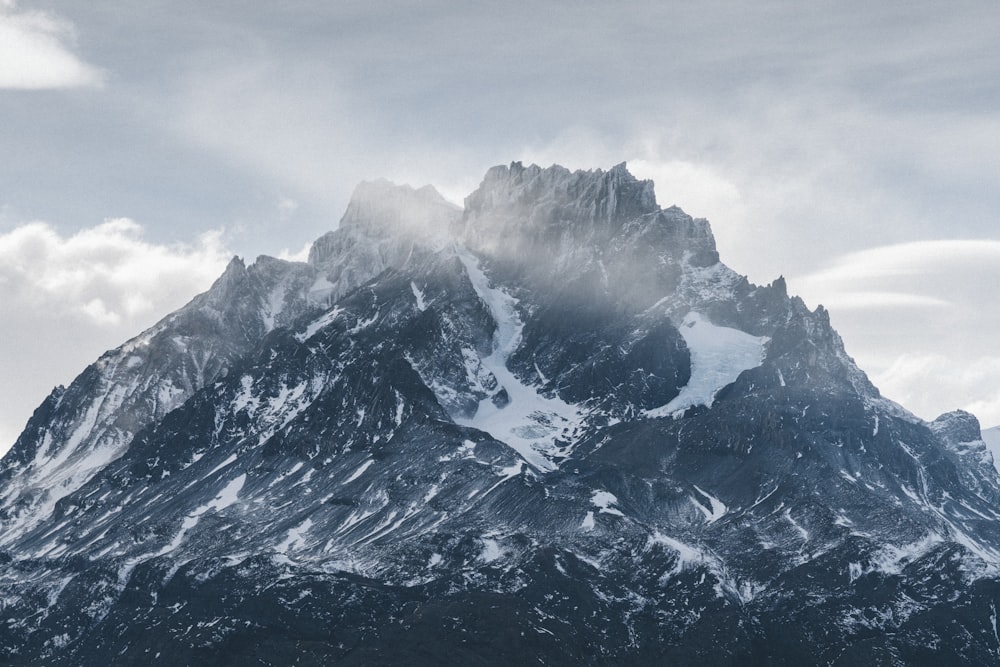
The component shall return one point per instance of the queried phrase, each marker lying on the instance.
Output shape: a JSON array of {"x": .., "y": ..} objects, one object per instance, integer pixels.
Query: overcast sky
[{"x": 852, "y": 148}]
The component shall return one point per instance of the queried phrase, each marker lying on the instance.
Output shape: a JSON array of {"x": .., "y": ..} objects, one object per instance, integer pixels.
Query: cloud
[
  {"x": 917, "y": 258},
  {"x": 34, "y": 52},
  {"x": 305, "y": 129},
  {"x": 699, "y": 185},
  {"x": 795, "y": 148},
  {"x": 65, "y": 299},
  {"x": 106, "y": 273},
  {"x": 921, "y": 274}
]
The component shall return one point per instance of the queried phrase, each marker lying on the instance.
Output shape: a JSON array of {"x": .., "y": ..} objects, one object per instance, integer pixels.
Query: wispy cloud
[
  {"x": 928, "y": 274},
  {"x": 35, "y": 51},
  {"x": 916, "y": 258}
]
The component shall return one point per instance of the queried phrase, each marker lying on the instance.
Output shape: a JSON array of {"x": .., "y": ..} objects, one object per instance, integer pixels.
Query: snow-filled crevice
[{"x": 534, "y": 426}]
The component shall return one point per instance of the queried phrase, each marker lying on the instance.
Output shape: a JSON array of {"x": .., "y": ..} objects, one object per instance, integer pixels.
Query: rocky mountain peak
[
  {"x": 957, "y": 426},
  {"x": 382, "y": 223},
  {"x": 556, "y": 195},
  {"x": 594, "y": 236},
  {"x": 230, "y": 283}
]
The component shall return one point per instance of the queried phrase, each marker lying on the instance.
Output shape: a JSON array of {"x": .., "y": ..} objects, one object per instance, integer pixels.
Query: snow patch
[
  {"x": 230, "y": 459},
  {"x": 491, "y": 550},
  {"x": 718, "y": 356},
  {"x": 244, "y": 399},
  {"x": 797, "y": 526},
  {"x": 718, "y": 507},
  {"x": 604, "y": 501},
  {"x": 319, "y": 323},
  {"x": 274, "y": 306},
  {"x": 419, "y": 295},
  {"x": 687, "y": 556},
  {"x": 189, "y": 522},
  {"x": 993, "y": 622},
  {"x": 360, "y": 471},
  {"x": 295, "y": 538},
  {"x": 512, "y": 470},
  {"x": 228, "y": 496},
  {"x": 892, "y": 559},
  {"x": 400, "y": 407},
  {"x": 467, "y": 450},
  {"x": 690, "y": 557}
]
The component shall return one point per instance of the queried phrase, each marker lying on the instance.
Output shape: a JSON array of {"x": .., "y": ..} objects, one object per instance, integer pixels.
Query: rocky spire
[{"x": 555, "y": 195}]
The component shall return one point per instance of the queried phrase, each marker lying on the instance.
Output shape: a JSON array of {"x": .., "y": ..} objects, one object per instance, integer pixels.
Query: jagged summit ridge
[
  {"x": 596, "y": 237},
  {"x": 517, "y": 205},
  {"x": 560, "y": 194}
]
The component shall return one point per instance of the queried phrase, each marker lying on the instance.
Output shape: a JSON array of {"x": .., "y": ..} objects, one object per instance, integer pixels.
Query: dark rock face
[{"x": 552, "y": 428}]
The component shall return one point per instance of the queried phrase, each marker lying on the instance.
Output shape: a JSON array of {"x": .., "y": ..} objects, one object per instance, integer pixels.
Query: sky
[{"x": 852, "y": 148}]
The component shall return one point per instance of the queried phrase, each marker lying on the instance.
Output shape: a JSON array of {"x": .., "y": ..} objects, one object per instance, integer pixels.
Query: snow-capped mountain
[{"x": 550, "y": 427}]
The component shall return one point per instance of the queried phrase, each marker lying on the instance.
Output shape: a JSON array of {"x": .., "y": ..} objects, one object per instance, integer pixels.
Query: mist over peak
[
  {"x": 598, "y": 232},
  {"x": 383, "y": 208}
]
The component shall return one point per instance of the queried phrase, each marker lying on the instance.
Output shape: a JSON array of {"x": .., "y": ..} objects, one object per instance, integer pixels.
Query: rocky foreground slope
[{"x": 548, "y": 428}]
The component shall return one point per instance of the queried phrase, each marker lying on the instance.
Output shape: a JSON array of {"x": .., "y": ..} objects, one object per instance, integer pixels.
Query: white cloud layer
[
  {"x": 64, "y": 300},
  {"x": 35, "y": 53}
]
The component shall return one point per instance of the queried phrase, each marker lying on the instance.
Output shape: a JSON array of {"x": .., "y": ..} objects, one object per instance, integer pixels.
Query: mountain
[{"x": 549, "y": 427}]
